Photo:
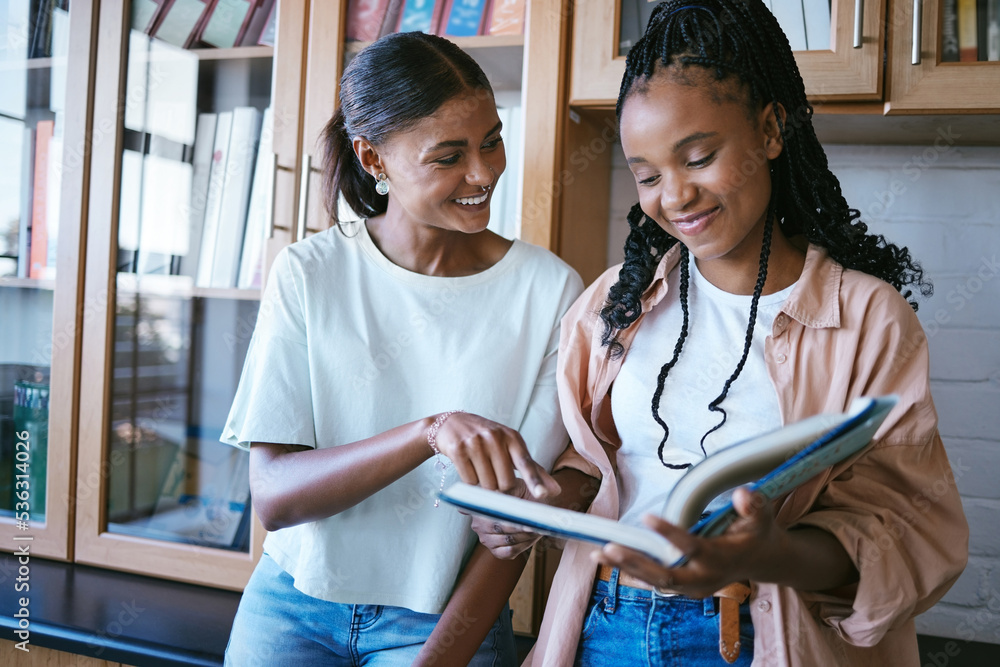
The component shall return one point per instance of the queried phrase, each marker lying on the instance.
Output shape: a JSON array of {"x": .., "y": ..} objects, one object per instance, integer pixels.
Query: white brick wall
[{"x": 943, "y": 202}]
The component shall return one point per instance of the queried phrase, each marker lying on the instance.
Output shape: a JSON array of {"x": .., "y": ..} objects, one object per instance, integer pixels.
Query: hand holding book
[{"x": 779, "y": 461}]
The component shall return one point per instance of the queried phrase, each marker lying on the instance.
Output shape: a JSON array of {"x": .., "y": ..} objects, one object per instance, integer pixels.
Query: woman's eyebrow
[
  {"x": 460, "y": 143},
  {"x": 697, "y": 136}
]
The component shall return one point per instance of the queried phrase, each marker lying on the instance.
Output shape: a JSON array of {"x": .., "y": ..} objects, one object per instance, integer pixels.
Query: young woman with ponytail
[
  {"x": 751, "y": 295},
  {"x": 393, "y": 356}
]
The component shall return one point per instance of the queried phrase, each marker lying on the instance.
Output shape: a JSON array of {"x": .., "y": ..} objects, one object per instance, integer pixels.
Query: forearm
[
  {"x": 807, "y": 559},
  {"x": 480, "y": 595},
  {"x": 294, "y": 485}
]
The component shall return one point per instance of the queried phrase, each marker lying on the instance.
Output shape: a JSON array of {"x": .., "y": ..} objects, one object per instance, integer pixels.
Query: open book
[{"x": 772, "y": 464}]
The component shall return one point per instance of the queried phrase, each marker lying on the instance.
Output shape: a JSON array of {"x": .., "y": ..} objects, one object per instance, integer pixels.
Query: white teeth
[{"x": 472, "y": 201}]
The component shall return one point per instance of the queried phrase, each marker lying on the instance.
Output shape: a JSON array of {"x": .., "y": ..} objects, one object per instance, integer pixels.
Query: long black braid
[{"x": 741, "y": 40}]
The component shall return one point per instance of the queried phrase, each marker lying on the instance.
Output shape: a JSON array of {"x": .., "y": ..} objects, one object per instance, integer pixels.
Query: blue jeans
[
  {"x": 632, "y": 626},
  {"x": 277, "y": 625}
]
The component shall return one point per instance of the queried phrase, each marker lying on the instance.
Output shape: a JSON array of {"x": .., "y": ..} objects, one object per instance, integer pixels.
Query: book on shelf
[
  {"x": 772, "y": 464},
  {"x": 225, "y": 23},
  {"x": 949, "y": 31},
  {"x": 267, "y": 34},
  {"x": 463, "y": 18},
  {"x": 39, "y": 197},
  {"x": 261, "y": 15},
  {"x": 53, "y": 197},
  {"x": 365, "y": 18},
  {"x": 993, "y": 30},
  {"x": 201, "y": 170},
  {"x": 505, "y": 201},
  {"x": 213, "y": 201},
  {"x": 817, "y": 20},
  {"x": 235, "y": 196},
  {"x": 420, "y": 15},
  {"x": 143, "y": 13},
  {"x": 260, "y": 209},
  {"x": 629, "y": 29},
  {"x": 506, "y": 17},
  {"x": 178, "y": 21},
  {"x": 164, "y": 214},
  {"x": 968, "y": 47},
  {"x": 27, "y": 202}
]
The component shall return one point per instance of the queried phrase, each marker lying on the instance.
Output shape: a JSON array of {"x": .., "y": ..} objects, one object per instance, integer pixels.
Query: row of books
[
  {"x": 367, "y": 20},
  {"x": 206, "y": 23},
  {"x": 970, "y": 31},
  {"x": 28, "y": 241},
  {"x": 806, "y": 23},
  {"x": 202, "y": 211}
]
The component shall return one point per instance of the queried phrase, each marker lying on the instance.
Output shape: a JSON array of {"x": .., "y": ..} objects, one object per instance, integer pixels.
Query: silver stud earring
[{"x": 382, "y": 184}]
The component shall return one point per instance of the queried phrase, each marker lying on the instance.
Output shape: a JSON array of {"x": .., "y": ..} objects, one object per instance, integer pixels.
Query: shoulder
[
  {"x": 543, "y": 264},
  {"x": 874, "y": 301}
]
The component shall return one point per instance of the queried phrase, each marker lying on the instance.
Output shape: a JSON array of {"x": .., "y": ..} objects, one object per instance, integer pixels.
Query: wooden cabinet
[
  {"x": 919, "y": 82},
  {"x": 869, "y": 42},
  {"x": 46, "y": 88}
]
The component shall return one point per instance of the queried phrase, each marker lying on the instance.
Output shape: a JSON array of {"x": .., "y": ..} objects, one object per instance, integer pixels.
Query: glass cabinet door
[
  {"x": 838, "y": 45},
  {"x": 43, "y": 94},
  {"x": 182, "y": 211},
  {"x": 945, "y": 57}
]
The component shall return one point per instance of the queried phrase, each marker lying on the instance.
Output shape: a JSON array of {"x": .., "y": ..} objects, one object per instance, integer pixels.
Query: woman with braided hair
[{"x": 751, "y": 296}]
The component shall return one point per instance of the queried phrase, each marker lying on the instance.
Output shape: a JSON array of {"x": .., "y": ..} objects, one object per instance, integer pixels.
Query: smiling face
[
  {"x": 442, "y": 171},
  {"x": 700, "y": 161}
]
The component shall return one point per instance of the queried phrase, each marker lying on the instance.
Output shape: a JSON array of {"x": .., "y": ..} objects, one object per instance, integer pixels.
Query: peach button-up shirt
[{"x": 894, "y": 507}]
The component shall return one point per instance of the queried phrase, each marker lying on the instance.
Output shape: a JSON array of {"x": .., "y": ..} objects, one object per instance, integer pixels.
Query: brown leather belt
[{"x": 730, "y": 599}]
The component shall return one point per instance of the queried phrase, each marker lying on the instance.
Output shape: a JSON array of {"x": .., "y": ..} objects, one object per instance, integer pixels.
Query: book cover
[
  {"x": 463, "y": 18},
  {"x": 419, "y": 16},
  {"x": 225, "y": 23},
  {"x": 817, "y": 19},
  {"x": 364, "y": 19},
  {"x": 786, "y": 458},
  {"x": 143, "y": 13},
  {"x": 949, "y": 32},
  {"x": 260, "y": 209},
  {"x": 39, "y": 198},
  {"x": 630, "y": 29},
  {"x": 506, "y": 17},
  {"x": 982, "y": 40},
  {"x": 213, "y": 203},
  {"x": 968, "y": 48},
  {"x": 164, "y": 214},
  {"x": 201, "y": 170},
  {"x": 177, "y": 23},
  {"x": 235, "y": 196}
]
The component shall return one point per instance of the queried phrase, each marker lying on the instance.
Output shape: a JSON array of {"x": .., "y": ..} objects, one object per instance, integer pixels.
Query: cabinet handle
[
  {"x": 918, "y": 15},
  {"x": 859, "y": 19},
  {"x": 274, "y": 186},
  {"x": 304, "y": 197}
]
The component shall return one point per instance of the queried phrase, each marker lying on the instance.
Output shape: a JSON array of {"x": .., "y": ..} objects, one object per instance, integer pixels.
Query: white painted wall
[{"x": 943, "y": 202}]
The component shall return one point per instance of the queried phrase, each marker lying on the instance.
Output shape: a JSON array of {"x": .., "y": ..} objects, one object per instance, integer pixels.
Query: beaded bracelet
[{"x": 440, "y": 464}]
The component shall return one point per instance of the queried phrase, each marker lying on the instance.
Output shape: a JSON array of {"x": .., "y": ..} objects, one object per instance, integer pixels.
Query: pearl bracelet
[{"x": 440, "y": 464}]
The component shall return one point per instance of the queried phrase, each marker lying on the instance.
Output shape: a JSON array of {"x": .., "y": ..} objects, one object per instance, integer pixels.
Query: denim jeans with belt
[
  {"x": 277, "y": 625},
  {"x": 633, "y": 626}
]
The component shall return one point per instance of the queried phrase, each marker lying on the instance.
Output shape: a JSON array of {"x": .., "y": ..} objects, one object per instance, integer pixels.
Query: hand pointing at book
[{"x": 754, "y": 548}]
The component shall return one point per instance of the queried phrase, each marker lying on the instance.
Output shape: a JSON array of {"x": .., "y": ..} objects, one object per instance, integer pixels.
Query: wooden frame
[
  {"x": 933, "y": 86},
  {"x": 94, "y": 545},
  {"x": 54, "y": 538},
  {"x": 842, "y": 73}
]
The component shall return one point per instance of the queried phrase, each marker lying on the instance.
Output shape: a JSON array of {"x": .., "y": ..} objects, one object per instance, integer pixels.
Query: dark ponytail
[{"x": 388, "y": 87}]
